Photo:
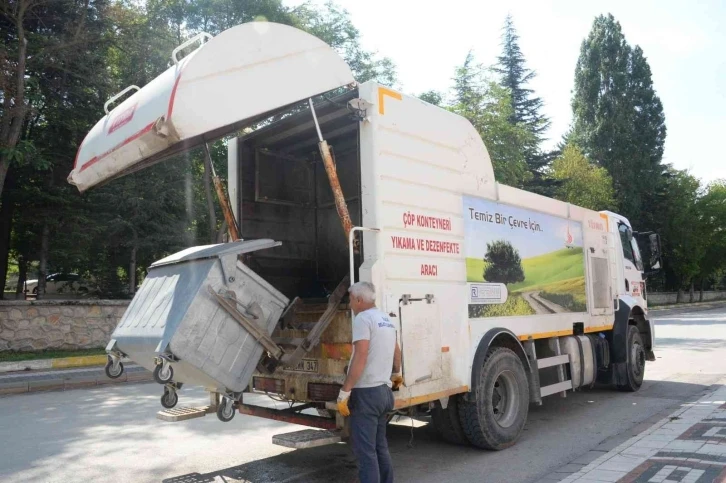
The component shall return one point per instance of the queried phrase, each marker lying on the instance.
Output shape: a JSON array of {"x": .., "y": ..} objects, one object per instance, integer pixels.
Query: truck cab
[{"x": 637, "y": 255}]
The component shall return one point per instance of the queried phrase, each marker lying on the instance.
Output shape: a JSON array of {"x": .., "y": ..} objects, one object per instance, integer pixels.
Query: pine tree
[
  {"x": 526, "y": 107},
  {"x": 618, "y": 118}
]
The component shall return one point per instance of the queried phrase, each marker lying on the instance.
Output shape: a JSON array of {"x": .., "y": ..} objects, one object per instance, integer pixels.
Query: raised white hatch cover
[{"x": 243, "y": 72}]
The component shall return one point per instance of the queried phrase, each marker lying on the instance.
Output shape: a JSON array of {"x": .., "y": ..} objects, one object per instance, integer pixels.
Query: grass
[
  {"x": 566, "y": 300},
  {"x": 541, "y": 270},
  {"x": 12, "y": 356},
  {"x": 475, "y": 269},
  {"x": 552, "y": 267},
  {"x": 515, "y": 305},
  {"x": 559, "y": 276}
]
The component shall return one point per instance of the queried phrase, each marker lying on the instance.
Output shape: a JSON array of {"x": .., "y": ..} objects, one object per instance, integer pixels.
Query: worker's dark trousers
[{"x": 368, "y": 408}]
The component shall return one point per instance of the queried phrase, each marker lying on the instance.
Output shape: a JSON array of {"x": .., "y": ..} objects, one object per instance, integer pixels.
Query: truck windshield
[
  {"x": 636, "y": 254},
  {"x": 625, "y": 241}
]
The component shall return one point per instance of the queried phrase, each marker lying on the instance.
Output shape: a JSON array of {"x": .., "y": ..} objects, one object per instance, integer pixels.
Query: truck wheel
[
  {"x": 635, "y": 366},
  {"x": 495, "y": 421},
  {"x": 446, "y": 422}
]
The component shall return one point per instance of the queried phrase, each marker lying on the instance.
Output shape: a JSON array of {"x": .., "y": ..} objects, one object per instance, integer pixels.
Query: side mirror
[
  {"x": 655, "y": 252},
  {"x": 649, "y": 245}
]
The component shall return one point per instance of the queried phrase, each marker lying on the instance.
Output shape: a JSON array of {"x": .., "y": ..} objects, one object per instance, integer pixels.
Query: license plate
[{"x": 306, "y": 365}]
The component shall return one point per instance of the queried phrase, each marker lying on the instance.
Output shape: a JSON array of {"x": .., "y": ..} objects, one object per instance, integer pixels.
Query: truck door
[
  {"x": 632, "y": 263},
  {"x": 420, "y": 339}
]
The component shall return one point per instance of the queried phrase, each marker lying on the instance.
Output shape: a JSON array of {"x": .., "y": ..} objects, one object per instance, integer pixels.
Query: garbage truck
[{"x": 501, "y": 297}]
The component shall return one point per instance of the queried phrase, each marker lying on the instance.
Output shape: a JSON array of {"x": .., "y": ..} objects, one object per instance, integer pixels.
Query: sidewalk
[
  {"x": 65, "y": 379},
  {"x": 689, "y": 446}
]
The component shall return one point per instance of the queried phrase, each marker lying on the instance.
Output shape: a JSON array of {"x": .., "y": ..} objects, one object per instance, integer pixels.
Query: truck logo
[
  {"x": 122, "y": 119},
  {"x": 487, "y": 293},
  {"x": 569, "y": 239}
]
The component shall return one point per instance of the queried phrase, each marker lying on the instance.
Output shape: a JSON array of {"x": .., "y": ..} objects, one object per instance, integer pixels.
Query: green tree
[
  {"x": 64, "y": 80},
  {"x": 432, "y": 97},
  {"x": 582, "y": 182},
  {"x": 618, "y": 118},
  {"x": 78, "y": 54},
  {"x": 711, "y": 208},
  {"x": 526, "y": 108},
  {"x": 503, "y": 263},
  {"x": 487, "y": 105},
  {"x": 682, "y": 231}
]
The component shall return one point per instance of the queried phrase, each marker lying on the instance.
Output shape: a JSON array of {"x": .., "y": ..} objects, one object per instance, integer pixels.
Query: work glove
[
  {"x": 343, "y": 398},
  {"x": 396, "y": 380}
]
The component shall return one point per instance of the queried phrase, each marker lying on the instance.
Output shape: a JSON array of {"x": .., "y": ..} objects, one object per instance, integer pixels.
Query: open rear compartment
[{"x": 284, "y": 193}]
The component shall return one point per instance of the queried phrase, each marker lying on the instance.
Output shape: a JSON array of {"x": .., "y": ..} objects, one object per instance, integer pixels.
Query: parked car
[{"x": 60, "y": 283}]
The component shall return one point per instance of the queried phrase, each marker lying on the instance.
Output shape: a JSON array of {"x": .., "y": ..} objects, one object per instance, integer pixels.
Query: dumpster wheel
[
  {"x": 113, "y": 371},
  {"x": 225, "y": 410},
  {"x": 163, "y": 373},
  {"x": 170, "y": 398}
]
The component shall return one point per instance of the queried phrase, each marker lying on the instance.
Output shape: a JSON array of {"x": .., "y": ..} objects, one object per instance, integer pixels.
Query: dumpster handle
[
  {"x": 201, "y": 37},
  {"x": 351, "y": 238},
  {"x": 105, "y": 106}
]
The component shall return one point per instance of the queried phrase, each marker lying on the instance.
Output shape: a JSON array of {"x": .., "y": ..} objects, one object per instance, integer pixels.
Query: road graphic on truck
[{"x": 537, "y": 257}]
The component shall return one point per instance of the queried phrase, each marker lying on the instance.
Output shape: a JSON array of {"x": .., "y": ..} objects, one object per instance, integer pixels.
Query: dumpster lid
[
  {"x": 216, "y": 251},
  {"x": 232, "y": 80}
]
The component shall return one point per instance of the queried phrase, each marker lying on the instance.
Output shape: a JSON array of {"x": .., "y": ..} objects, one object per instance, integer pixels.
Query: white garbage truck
[{"x": 501, "y": 297}]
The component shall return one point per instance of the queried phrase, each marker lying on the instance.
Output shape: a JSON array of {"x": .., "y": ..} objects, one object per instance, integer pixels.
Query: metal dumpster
[{"x": 175, "y": 327}]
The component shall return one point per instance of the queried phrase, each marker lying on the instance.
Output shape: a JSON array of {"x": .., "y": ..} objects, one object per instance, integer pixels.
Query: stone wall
[
  {"x": 668, "y": 298},
  {"x": 58, "y": 324}
]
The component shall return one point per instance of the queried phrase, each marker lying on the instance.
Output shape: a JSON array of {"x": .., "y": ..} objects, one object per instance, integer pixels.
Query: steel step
[
  {"x": 307, "y": 438},
  {"x": 174, "y": 415}
]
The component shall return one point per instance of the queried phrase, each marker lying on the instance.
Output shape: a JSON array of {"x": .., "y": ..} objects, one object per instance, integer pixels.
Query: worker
[{"x": 366, "y": 395}]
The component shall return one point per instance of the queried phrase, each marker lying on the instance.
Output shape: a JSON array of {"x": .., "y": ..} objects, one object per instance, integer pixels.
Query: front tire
[
  {"x": 496, "y": 420},
  {"x": 635, "y": 366}
]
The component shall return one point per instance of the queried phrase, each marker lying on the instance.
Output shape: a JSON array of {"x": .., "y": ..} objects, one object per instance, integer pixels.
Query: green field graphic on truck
[{"x": 521, "y": 262}]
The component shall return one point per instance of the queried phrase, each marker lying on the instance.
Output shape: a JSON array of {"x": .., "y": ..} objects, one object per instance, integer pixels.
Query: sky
[{"x": 684, "y": 42}]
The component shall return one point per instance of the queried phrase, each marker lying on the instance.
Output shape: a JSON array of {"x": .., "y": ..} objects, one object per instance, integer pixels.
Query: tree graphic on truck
[{"x": 503, "y": 263}]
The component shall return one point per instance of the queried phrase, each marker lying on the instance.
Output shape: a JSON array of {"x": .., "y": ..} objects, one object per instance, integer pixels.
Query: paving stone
[{"x": 588, "y": 457}]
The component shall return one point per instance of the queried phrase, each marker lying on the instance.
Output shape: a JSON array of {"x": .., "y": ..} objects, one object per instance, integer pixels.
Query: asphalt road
[{"x": 110, "y": 434}]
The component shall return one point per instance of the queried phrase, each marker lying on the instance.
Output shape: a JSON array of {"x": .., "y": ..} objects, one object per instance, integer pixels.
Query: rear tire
[
  {"x": 496, "y": 420},
  {"x": 634, "y": 368},
  {"x": 446, "y": 422}
]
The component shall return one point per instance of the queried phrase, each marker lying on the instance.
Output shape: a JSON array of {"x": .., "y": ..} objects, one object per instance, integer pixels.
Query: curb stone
[
  {"x": 59, "y": 363},
  {"x": 68, "y": 379},
  {"x": 686, "y": 305}
]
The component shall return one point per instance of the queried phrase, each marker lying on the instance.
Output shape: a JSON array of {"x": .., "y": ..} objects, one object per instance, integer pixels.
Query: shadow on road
[{"x": 429, "y": 459}]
